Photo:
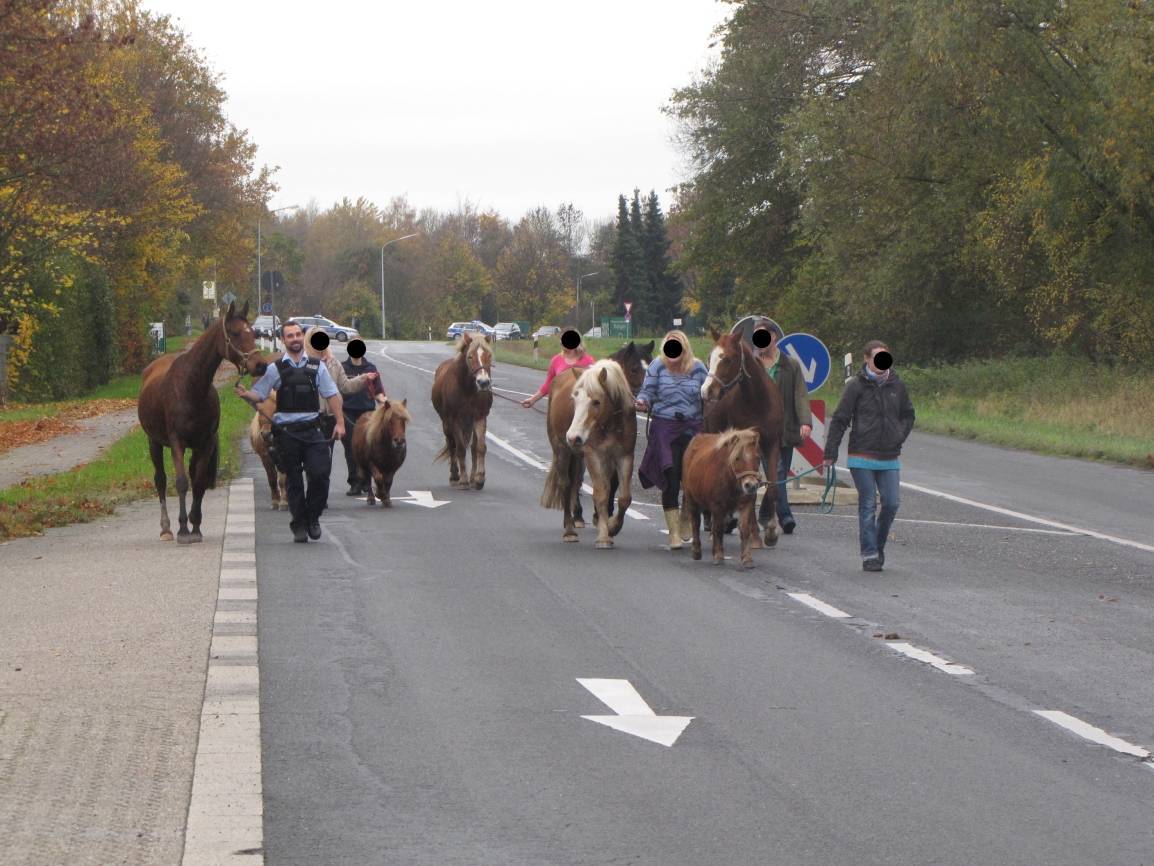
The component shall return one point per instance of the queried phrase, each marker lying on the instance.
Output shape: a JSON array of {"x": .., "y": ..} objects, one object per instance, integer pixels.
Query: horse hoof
[
  {"x": 196, "y": 538},
  {"x": 479, "y": 485},
  {"x": 604, "y": 545},
  {"x": 570, "y": 537},
  {"x": 696, "y": 555},
  {"x": 388, "y": 503},
  {"x": 718, "y": 560},
  {"x": 747, "y": 563},
  {"x": 771, "y": 541},
  {"x": 183, "y": 538},
  {"x": 755, "y": 542},
  {"x": 166, "y": 536},
  {"x": 578, "y": 524}
]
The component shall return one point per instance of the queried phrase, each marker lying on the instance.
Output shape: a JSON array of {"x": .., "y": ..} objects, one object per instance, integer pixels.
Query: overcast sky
[{"x": 509, "y": 104}]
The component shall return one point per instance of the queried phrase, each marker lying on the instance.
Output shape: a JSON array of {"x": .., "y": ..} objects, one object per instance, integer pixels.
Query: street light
[
  {"x": 579, "y": 279},
  {"x": 384, "y": 331},
  {"x": 259, "y": 305}
]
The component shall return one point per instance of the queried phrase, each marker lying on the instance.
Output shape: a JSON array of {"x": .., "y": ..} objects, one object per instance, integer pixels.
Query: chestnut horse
[
  {"x": 463, "y": 396},
  {"x": 738, "y": 393},
  {"x": 379, "y": 447},
  {"x": 566, "y": 473},
  {"x": 259, "y": 429},
  {"x": 604, "y": 430},
  {"x": 720, "y": 474},
  {"x": 179, "y": 409}
]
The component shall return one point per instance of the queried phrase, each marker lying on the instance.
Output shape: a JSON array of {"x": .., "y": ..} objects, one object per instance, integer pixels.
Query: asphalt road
[{"x": 420, "y": 670}]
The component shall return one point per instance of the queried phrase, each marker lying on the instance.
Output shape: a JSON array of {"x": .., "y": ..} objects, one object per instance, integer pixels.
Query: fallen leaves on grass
[{"x": 14, "y": 434}]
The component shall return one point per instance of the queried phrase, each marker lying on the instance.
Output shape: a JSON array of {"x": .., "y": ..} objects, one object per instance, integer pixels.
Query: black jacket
[
  {"x": 882, "y": 417},
  {"x": 359, "y": 401}
]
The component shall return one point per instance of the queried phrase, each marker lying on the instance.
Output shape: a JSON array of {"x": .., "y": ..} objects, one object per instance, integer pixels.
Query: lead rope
[{"x": 830, "y": 492}]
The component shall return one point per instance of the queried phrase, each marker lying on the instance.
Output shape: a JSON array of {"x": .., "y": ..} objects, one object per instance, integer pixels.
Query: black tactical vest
[{"x": 298, "y": 391}]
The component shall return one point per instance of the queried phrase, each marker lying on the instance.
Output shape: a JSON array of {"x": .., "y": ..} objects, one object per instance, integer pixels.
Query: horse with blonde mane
[
  {"x": 602, "y": 435},
  {"x": 259, "y": 434},
  {"x": 720, "y": 475},
  {"x": 379, "y": 446},
  {"x": 463, "y": 397}
]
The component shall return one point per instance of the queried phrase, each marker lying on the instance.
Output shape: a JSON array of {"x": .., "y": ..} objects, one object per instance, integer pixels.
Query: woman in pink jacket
[{"x": 572, "y": 354}]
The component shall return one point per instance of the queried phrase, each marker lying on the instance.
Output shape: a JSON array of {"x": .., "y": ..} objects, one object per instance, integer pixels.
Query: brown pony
[
  {"x": 463, "y": 396},
  {"x": 720, "y": 475},
  {"x": 179, "y": 409},
  {"x": 379, "y": 446},
  {"x": 738, "y": 393},
  {"x": 563, "y": 484},
  {"x": 604, "y": 430},
  {"x": 258, "y": 429}
]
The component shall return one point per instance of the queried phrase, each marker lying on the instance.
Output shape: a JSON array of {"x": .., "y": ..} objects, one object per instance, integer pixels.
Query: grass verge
[
  {"x": 121, "y": 474},
  {"x": 1056, "y": 405}
]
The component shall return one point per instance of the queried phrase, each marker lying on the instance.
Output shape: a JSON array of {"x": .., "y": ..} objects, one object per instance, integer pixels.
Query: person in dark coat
[
  {"x": 877, "y": 405},
  {"x": 356, "y": 405}
]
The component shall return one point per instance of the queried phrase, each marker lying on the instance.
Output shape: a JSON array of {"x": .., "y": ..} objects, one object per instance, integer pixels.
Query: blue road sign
[
  {"x": 811, "y": 354},
  {"x": 266, "y": 309}
]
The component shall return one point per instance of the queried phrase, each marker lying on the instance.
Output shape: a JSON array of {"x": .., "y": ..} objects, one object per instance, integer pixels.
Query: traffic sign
[
  {"x": 229, "y": 298},
  {"x": 746, "y": 326},
  {"x": 266, "y": 309},
  {"x": 209, "y": 287},
  {"x": 811, "y": 354}
]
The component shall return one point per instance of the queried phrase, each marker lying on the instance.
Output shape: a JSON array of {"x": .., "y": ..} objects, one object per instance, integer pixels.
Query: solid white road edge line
[
  {"x": 929, "y": 658},
  {"x": 1095, "y": 735},
  {"x": 819, "y": 605},
  {"x": 226, "y": 810}
]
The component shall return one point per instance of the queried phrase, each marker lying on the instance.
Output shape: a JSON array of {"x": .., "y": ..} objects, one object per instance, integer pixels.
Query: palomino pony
[
  {"x": 463, "y": 396},
  {"x": 179, "y": 409},
  {"x": 739, "y": 393},
  {"x": 379, "y": 447},
  {"x": 259, "y": 429},
  {"x": 720, "y": 475},
  {"x": 604, "y": 430},
  {"x": 563, "y": 485}
]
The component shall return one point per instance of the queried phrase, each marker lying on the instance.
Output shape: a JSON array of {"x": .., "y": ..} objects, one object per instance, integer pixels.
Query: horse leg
[
  {"x": 282, "y": 489},
  {"x": 748, "y": 531},
  {"x": 202, "y": 460},
  {"x": 598, "y": 475},
  {"x": 182, "y": 534},
  {"x": 623, "y": 472},
  {"x": 695, "y": 521},
  {"x": 385, "y": 486},
  {"x": 480, "y": 446},
  {"x": 570, "y": 469},
  {"x": 578, "y": 470},
  {"x": 451, "y": 450},
  {"x": 156, "y": 452},
  {"x": 718, "y": 532},
  {"x": 462, "y": 448},
  {"x": 613, "y": 485},
  {"x": 772, "y": 528},
  {"x": 369, "y": 472},
  {"x": 271, "y": 474}
]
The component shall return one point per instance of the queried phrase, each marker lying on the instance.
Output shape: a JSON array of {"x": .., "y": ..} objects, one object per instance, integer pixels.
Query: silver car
[{"x": 340, "y": 333}]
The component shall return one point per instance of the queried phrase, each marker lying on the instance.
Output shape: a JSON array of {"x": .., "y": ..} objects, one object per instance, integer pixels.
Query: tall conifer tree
[{"x": 665, "y": 286}]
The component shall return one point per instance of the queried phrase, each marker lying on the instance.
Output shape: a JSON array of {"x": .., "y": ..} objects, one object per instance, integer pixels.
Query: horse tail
[
  {"x": 556, "y": 482},
  {"x": 212, "y": 463},
  {"x": 443, "y": 454}
]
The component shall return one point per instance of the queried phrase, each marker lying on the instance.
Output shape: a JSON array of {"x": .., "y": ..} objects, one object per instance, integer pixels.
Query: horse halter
[
  {"x": 230, "y": 345},
  {"x": 741, "y": 374}
]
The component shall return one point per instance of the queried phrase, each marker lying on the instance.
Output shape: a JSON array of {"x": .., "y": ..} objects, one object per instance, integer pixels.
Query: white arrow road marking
[
  {"x": 633, "y": 715},
  {"x": 423, "y": 498},
  {"x": 809, "y": 372}
]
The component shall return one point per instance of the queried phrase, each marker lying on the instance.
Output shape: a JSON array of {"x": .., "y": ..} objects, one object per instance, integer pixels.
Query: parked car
[
  {"x": 595, "y": 332},
  {"x": 341, "y": 333},
  {"x": 265, "y": 326},
  {"x": 508, "y": 331},
  {"x": 547, "y": 331},
  {"x": 474, "y": 327}
]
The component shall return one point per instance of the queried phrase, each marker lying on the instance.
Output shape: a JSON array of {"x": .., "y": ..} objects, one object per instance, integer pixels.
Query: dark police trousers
[{"x": 305, "y": 452}]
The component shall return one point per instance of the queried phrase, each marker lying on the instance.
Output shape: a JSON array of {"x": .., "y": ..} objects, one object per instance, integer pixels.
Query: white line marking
[
  {"x": 1102, "y": 536},
  {"x": 971, "y": 525},
  {"x": 634, "y": 716},
  {"x": 929, "y": 658},
  {"x": 819, "y": 605},
  {"x": 517, "y": 452},
  {"x": 1093, "y": 734}
]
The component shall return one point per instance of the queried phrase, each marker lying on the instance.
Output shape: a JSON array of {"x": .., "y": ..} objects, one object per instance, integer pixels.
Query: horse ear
[
  {"x": 231, "y": 312},
  {"x": 244, "y": 311},
  {"x": 713, "y": 332},
  {"x": 603, "y": 376},
  {"x": 405, "y": 402},
  {"x": 648, "y": 348}
]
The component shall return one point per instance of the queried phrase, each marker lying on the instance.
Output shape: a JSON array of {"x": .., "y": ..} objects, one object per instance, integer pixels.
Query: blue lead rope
[{"x": 828, "y": 496}]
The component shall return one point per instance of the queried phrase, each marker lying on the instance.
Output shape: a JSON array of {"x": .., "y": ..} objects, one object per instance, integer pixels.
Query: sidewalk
[
  {"x": 62, "y": 453},
  {"x": 104, "y": 641}
]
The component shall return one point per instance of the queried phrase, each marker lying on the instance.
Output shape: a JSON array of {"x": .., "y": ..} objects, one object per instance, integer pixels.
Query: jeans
[
  {"x": 874, "y": 524},
  {"x": 305, "y": 453}
]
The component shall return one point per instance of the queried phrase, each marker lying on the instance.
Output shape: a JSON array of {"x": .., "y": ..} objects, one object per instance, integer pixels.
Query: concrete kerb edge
[{"x": 225, "y": 821}]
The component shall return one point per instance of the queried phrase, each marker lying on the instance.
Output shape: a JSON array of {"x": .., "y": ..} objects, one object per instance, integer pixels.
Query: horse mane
[
  {"x": 732, "y": 440},
  {"x": 383, "y": 414},
  {"x": 616, "y": 386}
]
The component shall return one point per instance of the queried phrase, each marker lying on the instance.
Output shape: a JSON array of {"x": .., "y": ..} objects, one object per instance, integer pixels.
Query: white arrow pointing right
[
  {"x": 809, "y": 372},
  {"x": 423, "y": 498},
  {"x": 634, "y": 715}
]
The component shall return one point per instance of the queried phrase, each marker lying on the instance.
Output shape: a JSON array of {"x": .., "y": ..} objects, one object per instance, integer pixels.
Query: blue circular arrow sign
[{"x": 811, "y": 354}]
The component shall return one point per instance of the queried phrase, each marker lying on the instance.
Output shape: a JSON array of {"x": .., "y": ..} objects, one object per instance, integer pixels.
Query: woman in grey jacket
[{"x": 672, "y": 392}]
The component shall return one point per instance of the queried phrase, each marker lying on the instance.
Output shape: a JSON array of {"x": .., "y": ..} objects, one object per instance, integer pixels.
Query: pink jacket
[{"x": 560, "y": 365}]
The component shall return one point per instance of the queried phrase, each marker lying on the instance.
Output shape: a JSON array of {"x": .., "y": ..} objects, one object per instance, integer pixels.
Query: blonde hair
[{"x": 682, "y": 363}]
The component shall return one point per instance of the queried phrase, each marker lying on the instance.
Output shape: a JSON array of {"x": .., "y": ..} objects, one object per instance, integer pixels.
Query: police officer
[
  {"x": 356, "y": 405},
  {"x": 303, "y": 450}
]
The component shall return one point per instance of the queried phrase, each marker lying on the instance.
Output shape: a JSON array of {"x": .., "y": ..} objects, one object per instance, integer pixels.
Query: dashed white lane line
[
  {"x": 997, "y": 526},
  {"x": 819, "y": 605},
  {"x": 930, "y": 659},
  {"x": 1093, "y": 734},
  {"x": 226, "y": 811}
]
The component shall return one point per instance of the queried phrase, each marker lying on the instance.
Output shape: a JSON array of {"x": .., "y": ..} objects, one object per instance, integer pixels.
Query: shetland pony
[
  {"x": 720, "y": 475},
  {"x": 379, "y": 446},
  {"x": 463, "y": 396},
  {"x": 258, "y": 430}
]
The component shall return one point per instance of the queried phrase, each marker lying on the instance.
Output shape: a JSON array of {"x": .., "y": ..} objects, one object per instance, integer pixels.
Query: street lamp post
[
  {"x": 259, "y": 305},
  {"x": 579, "y": 279},
  {"x": 384, "y": 330}
]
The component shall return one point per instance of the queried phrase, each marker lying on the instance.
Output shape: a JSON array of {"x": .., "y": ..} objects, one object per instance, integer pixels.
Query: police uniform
[{"x": 302, "y": 446}]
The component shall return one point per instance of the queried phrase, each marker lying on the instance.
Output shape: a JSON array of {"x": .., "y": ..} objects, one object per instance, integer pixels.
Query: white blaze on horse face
[
  {"x": 578, "y": 432},
  {"x": 714, "y": 360},
  {"x": 484, "y": 380}
]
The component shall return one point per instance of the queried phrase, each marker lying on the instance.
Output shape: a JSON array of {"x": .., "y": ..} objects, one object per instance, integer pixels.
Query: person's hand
[
  {"x": 827, "y": 462},
  {"x": 641, "y": 405},
  {"x": 528, "y": 402},
  {"x": 372, "y": 375},
  {"x": 241, "y": 392},
  {"x": 339, "y": 430},
  {"x": 806, "y": 429}
]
